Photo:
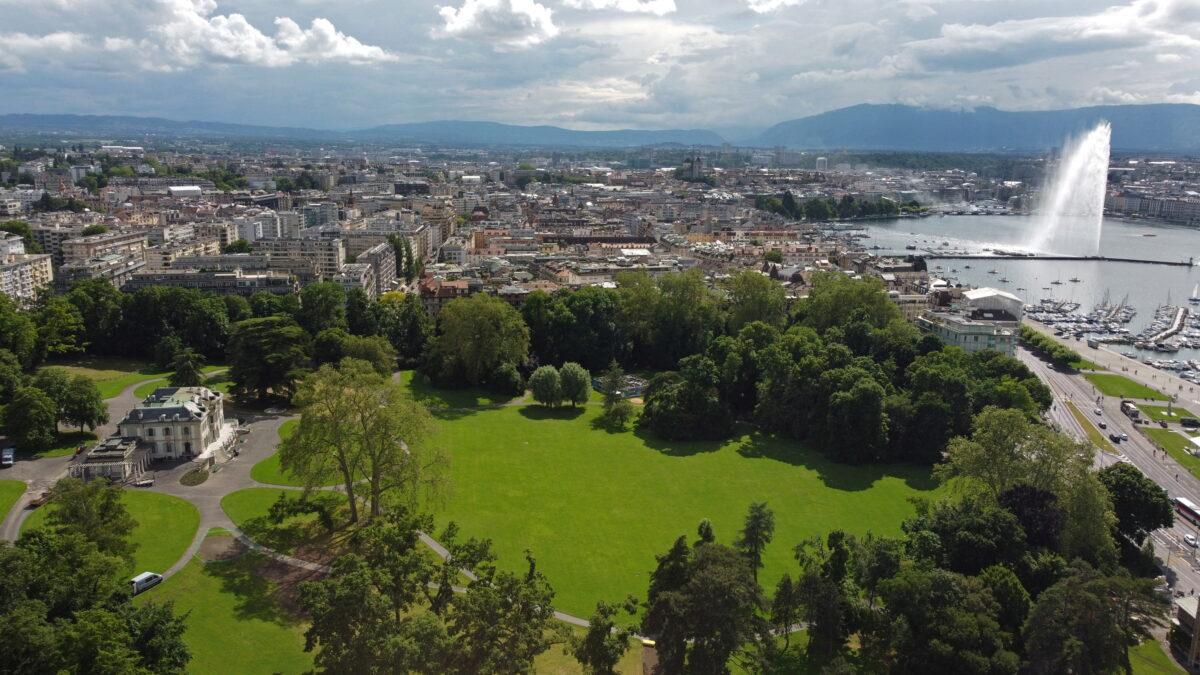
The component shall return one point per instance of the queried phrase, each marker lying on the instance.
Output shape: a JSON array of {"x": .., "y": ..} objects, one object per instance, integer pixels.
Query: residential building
[
  {"x": 382, "y": 259},
  {"x": 161, "y": 257},
  {"x": 234, "y": 282},
  {"x": 115, "y": 268},
  {"x": 22, "y": 275},
  {"x": 987, "y": 319},
  {"x": 179, "y": 423},
  {"x": 1185, "y": 630},
  {"x": 130, "y": 244},
  {"x": 50, "y": 237},
  {"x": 326, "y": 256},
  {"x": 358, "y": 275}
]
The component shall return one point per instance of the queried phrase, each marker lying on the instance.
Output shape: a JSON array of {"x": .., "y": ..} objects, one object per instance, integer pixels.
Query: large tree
[
  {"x": 31, "y": 418},
  {"x": 546, "y": 386},
  {"x": 267, "y": 356},
  {"x": 757, "y": 532},
  {"x": 755, "y": 297},
  {"x": 322, "y": 305},
  {"x": 605, "y": 642},
  {"x": 84, "y": 406},
  {"x": 365, "y": 429},
  {"x": 1140, "y": 505},
  {"x": 187, "y": 367},
  {"x": 95, "y": 511},
  {"x": 479, "y": 334}
]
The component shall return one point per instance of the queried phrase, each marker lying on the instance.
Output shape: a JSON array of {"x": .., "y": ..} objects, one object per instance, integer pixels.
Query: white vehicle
[
  {"x": 1098, "y": 411},
  {"x": 8, "y": 456},
  {"x": 145, "y": 581},
  {"x": 1191, "y": 540}
]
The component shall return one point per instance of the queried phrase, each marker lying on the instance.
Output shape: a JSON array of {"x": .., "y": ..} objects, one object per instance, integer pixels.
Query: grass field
[
  {"x": 268, "y": 470},
  {"x": 1176, "y": 445},
  {"x": 1084, "y": 364},
  {"x": 448, "y": 398},
  {"x": 165, "y": 528},
  {"x": 1149, "y": 658},
  {"x": 236, "y": 618},
  {"x": 595, "y": 507},
  {"x": 1159, "y": 412},
  {"x": 112, "y": 376},
  {"x": 1098, "y": 439},
  {"x": 1111, "y": 384},
  {"x": 10, "y": 492},
  {"x": 66, "y": 443},
  {"x": 299, "y": 535}
]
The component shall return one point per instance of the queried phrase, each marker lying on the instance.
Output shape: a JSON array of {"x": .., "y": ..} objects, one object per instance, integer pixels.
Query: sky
[{"x": 727, "y": 65}]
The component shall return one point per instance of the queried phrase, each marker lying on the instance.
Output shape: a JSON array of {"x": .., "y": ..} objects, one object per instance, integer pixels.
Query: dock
[{"x": 1084, "y": 258}]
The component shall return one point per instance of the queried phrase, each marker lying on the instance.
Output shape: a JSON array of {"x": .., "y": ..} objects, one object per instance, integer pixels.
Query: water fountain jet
[{"x": 1072, "y": 207}]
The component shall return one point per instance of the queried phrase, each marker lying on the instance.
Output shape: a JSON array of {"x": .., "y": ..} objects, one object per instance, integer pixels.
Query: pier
[
  {"x": 1176, "y": 326},
  {"x": 1078, "y": 258}
]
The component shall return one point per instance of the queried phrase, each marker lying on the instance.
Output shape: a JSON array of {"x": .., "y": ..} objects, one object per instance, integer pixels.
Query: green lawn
[
  {"x": 269, "y": 471},
  {"x": 1111, "y": 384},
  {"x": 595, "y": 507},
  {"x": 236, "y": 620},
  {"x": 10, "y": 492},
  {"x": 1177, "y": 445},
  {"x": 112, "y": 376},
  {"x": 1159, "y": 412},
  {"x": 165, "y": 528},
  {"x": 299, "y": 535},
  {"x": 219, "y": 382},
  {"x": 1098, "y": 439},
  {"x": 1084, "y": 364},
  {"x": 1149, "y": 658}
]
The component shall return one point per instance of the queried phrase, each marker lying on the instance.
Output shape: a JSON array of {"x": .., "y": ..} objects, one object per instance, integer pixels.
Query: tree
[
  {"x": 18, "y": 334},
  {"x": 576, "y": 383},
  {"x": 22, "y": 230},
  {"x": 1140, "y": 505},
  {"x": 755, "y": 297},
  {"x": 360, "y": 318},
  {"x": 605, "y": 642},
  {"x": 60, "y": 328},
  {"x": 238, "y": 246},
  {"x": 757, "y": 532},
  {"x": 361, "y": 426},
  {"x": 835, "y": 297},
  {"x": 100, "y": 308},
  {"x": 11, "y": 377},
  {"x": 267, "y": 356},
  {"x": 84, "y": 405},
  {"x": 93, "y": 229},
  {"x": 322, "y": 305},
  {"x": 686, "y": 405},
  {"x": 31, "y": 418},
  {"x": 93, "y": 510},
  {"x": 479, "y": 333},
  {"x": 1009, "y": 594},
  {"x": 188, "y": 369},
  {"x": 55, "y": 383},
  {"x": 406, "y": 325},
  {"x": 546, "y": 385}
]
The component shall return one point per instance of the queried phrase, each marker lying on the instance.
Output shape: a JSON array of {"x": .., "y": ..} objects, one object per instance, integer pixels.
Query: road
[{"x": 1169, "y": 543}]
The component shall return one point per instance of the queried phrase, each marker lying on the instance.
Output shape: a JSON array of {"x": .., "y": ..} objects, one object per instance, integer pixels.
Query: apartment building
[
  {"x": 326, "y": 256},
  {"x": 22, "y": 275},
  {"x": 130, "y": 244},
  {"x": 234, "y": 282},
  {"x": 358, "y": 275},
  {"x": 162, "y": 257},
  {"x": 50, "y": 237},
  {"x": 114, "y": 268},
  {"x": 382, "y": 259}
]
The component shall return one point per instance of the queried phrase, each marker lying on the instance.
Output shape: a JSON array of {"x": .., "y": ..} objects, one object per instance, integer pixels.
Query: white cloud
[
  {"x": 508, "y": 23},
  {"x": 16, "y": 47},
  {"x": 1168, "y": 58},
  {"x": 764, "y": 6},
  {"x": 658, "y": 7}
]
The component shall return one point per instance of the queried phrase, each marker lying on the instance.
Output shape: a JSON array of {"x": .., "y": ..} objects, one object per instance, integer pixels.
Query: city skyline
[{"x": 731, "y": 66}]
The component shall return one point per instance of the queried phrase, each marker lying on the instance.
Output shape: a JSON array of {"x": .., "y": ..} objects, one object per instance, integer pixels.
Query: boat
[
  {"x": 1019, "y": 288},
  {"x": 1003, "y": 280},
  {"x": 966, "y": 267},
  {"x": 1074, "y": 280},
  {"x": 910, "y": 247},
  {"x": 1195, "y": 299},
  {"x": 992, "y": 272},
  {"x": 1056, "y": 282}
]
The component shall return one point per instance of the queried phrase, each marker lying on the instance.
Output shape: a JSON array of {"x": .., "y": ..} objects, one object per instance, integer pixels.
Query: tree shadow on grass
[
  {"x": 846, "y": 477},
  {"x": 541, "y": 412},
  {"x": 456, "y": 402},
  {"x": 263, "y": 589},
  {"x": 676, "y": 448}
]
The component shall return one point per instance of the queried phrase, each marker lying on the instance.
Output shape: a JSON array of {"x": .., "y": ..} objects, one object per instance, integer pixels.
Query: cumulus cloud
[
  {"x": 658, "y": 7},
  {"x": 764, "y": 6},
  {"x": 182, "y": 33},
  {"x": 16, "y": 47},
  {"x": 505, "y": 23}
]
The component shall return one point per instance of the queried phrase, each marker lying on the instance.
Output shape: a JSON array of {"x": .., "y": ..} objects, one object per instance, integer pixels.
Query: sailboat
[{"x": 1195, "y": 299}]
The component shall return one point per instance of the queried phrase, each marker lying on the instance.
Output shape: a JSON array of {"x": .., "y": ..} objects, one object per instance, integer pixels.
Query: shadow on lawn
[
  {"x": 453, "y": 403},
  {"x": 262, "y": 588},
  {"x": 541, "y": 412},
  {"x": 847, "y": 477}
]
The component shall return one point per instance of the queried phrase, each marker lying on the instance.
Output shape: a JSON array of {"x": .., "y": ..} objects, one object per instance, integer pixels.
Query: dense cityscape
[{"x": 612, "y": 337}]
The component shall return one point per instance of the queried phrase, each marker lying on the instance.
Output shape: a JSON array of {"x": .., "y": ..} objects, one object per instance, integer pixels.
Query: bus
[
  {"x": 1131, "y": 410},
  {"x": 1187, "y": 510}
]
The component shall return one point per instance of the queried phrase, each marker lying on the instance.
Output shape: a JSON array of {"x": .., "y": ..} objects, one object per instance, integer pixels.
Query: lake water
[{"x": 1148, "y": 286}]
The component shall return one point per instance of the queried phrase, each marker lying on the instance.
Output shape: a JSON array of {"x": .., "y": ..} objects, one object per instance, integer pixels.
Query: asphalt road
[{"x": 1182, "y": 560}]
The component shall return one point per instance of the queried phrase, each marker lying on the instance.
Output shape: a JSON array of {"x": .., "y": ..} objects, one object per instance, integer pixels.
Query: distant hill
[
  {"x": 1157, "y": 127},
  {"x": 447, "y": 133}
]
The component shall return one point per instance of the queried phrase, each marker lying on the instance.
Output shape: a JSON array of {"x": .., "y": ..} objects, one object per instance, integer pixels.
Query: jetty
[{"x": 1079, "y": 258}]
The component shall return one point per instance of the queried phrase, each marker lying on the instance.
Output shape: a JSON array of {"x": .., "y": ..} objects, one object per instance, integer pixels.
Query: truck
[{"x": 1131, "y": 410}]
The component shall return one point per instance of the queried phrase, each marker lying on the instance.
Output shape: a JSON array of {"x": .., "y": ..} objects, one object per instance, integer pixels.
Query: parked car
[
  {"x": 8, "y": 456},
  {"x": 1191, "y": 540},
  {"x": 1102, "y": 424},
  {"x": 145, "y": 581},
  {"x": 1098, "y": 411}
]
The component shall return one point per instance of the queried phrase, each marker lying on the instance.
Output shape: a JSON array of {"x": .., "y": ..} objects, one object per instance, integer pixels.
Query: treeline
[
  {"x": 828, "y": 208},
  {"x": 1047, "y": 347}
]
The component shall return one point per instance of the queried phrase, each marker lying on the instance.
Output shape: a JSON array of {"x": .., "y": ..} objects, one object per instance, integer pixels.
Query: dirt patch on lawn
[
  {"x": 287, "y": 580},
  {"x": 219, "y": 548}
]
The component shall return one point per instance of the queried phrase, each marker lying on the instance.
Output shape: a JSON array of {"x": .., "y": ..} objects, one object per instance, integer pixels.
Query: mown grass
[
  {"x": 298, "y": 535},
  {"x": 595, "y": 507},
  {"x": 10, "y": 492},
  {"x": 165, "y": 527},
  {"x": 1093, "y": 434},
  {"x": 65, "y": 444},
  {"x": 269, "y": 470},
  {"x": 1148, "y": 658},
  {"x": 1157, "y": 412},
  {"x": 1177, "y": 446},
  {"x": 236, "y": 618},
  {"x": 217, "y": 382},
  {"x": 1111, "y": 384}
]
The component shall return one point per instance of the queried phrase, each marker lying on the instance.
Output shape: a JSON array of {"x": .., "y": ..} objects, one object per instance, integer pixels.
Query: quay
[{"x": 1081, "y": 258}]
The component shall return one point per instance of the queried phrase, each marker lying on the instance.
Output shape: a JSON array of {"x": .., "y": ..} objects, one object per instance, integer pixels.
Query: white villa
[{"x": 172, "y": 423}]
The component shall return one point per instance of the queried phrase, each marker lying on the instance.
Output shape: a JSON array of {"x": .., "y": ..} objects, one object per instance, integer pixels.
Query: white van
[{"x": 145, "y": 581}]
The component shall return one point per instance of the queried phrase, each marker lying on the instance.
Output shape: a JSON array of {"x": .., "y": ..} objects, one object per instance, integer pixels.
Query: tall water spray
[{"x": 1072, "y": 206}]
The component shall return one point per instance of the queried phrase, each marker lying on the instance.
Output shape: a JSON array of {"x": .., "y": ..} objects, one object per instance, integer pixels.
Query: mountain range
[{"x": 1154, "y": 127}]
